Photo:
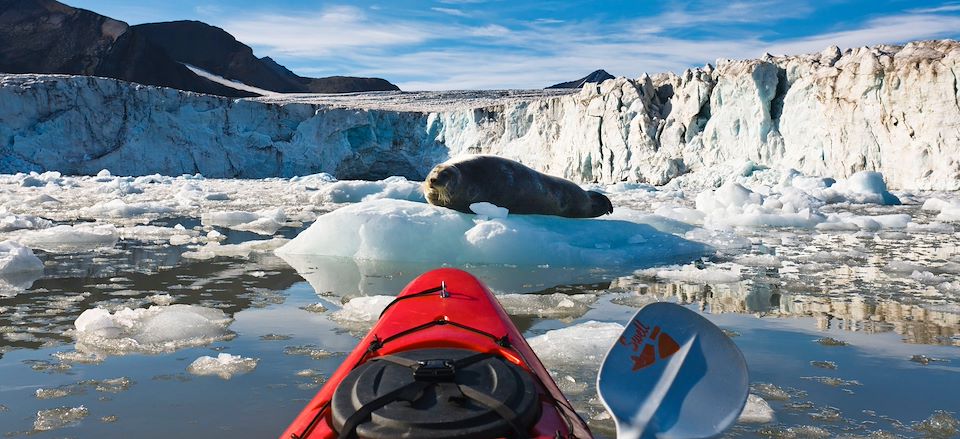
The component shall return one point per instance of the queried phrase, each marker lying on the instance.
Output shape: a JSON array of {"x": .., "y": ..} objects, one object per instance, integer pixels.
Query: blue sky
[{"x": 491, "y": 44}]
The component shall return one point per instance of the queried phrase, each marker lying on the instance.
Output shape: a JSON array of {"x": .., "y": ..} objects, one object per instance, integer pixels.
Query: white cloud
[
  {"x": 326, "y": 33},
  {"x": 451, "y": 11}
]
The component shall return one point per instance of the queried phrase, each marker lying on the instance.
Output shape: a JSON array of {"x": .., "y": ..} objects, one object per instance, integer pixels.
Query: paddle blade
[{"x": 673, "y": 374}]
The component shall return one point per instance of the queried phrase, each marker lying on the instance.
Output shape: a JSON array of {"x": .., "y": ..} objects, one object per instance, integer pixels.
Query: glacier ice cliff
[{"x": 891, "y": 109}]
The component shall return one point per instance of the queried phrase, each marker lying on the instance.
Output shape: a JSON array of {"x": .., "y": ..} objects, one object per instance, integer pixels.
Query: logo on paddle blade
[{"x": 652, "y": 345}]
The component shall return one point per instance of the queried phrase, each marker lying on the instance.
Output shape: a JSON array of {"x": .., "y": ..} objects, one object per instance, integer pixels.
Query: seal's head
[
  {"x": 599, "y": 204},
  {"x": 440, "y": 184}
]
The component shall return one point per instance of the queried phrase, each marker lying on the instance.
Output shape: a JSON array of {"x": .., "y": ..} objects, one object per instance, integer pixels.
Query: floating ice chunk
[
  {"x": 759, "y": 260},
  {"x": 224, "y": 365},
  {"x": 264, "y": 222},
  {"x": 59, "y": 417},
  {"x": 155, "y": 233},
  {"x": 489, "y": 210},
  {"x": 398, "y": 188},
  {"x": 243, "y": 250},
  {"x": 396, "y": 230},
  {"x": 934, "y": 227},
  {"x": 68, "y": 239},
  {"x": 103, "y": 173},
  {"x": 362, "y": 310},
  {"x": 556, "y": 305},
  {"x": 864, "y": 187},
  {"x": 690, "y": 273},
  {"x": 314, "y": 180},
  {"x": 949, "y": 209},
  {"x": 579, "y": 346},
  {"x": 757, "y": 411},
  {"x": 119, "y": 209},
  {"x": 10, "y": 222},
  {"x": 734, "y": 205},
  {"x": 849, "y": 221},
  {"x": 152, "y": 330},
  {"x": 941, "y": 424},
  {"x": 16, "y": 258}
]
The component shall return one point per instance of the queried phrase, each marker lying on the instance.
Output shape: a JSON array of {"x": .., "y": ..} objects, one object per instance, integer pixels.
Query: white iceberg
[{"x": 395, "y": 230}]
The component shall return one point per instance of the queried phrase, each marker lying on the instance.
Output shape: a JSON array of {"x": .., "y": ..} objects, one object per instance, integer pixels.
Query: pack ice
[{"x": 150, "y": 330}]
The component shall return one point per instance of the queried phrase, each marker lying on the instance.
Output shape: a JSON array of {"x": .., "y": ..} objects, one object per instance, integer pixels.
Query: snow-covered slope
[{"x": 890, "y": 109}]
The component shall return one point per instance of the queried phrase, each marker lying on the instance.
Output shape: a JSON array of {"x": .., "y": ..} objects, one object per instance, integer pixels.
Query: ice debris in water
[
  {"x": 830, "y": 341},
  {"x": 556, "y": 305},
  {"x": 264, "y": 222},
  {"x": 152, "y": 330},
  {"x": 309, "y": 350},
  {"x": 10, "y": 222},
  {"x": 224, "y": 365},
  {"x": 824, "y": 364},
  {"x": 580, "y": 346},
  {"x": 770, "y": 391},
  {"x": 362, "y": 310},
  {"x": 395, "y": 187},
  {"x": 941, "y": 424},
  {"x": 243, "y": 250},
  {"x": 694, "y": 274},
  {"x": 795, "y": 202},
  {"x": 59, "y": 417},
  {"x": 757, "y": 411},
  {"x": 17, "y": 258},
  {"x": 949, "y": 210},
  {"x": 112, "y": 385},
  {"x": 394, "y": 230},
  {"x": 68, "y": 239}
]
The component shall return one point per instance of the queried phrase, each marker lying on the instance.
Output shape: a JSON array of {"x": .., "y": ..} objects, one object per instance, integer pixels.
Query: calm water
[{"x": 838, "y": 340}]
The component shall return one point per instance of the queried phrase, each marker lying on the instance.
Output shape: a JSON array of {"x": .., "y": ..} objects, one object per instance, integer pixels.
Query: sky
[{"x": 505, "y": 44}]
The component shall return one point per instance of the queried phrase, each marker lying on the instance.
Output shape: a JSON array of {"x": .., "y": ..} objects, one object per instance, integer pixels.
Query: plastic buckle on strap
[{"x": 435, "y": 370}]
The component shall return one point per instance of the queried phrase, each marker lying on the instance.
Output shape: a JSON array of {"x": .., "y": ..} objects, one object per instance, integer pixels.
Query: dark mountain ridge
[
  {"x": 597, "y": 76},
  {"x": 45, "y": 36}
]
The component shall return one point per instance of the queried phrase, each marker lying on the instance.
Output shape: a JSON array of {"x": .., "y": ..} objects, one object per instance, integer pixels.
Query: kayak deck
[{"x": 445, "y": 309}]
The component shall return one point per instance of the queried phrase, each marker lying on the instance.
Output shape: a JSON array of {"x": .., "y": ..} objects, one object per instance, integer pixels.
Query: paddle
[{"x": 672, "y": 374}]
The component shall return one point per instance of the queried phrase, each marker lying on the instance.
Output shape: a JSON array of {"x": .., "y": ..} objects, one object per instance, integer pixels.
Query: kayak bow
[{"x": 444, "y": 360}]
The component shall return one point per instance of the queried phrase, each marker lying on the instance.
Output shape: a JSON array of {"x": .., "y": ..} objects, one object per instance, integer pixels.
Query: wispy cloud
[
  {"x": 327, "y": 32},
  {"x": 949, "y": 7},
  {"x": 451, "y": 11}
]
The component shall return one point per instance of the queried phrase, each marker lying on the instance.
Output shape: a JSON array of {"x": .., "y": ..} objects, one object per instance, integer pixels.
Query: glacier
[{"x": 888, "y": 109}]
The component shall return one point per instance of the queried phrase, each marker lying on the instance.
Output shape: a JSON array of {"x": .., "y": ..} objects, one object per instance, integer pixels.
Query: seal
[{"x": 460, "y": 182}]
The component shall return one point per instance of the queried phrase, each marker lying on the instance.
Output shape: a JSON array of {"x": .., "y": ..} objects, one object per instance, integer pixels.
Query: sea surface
[{"x": 847, "y": 333}]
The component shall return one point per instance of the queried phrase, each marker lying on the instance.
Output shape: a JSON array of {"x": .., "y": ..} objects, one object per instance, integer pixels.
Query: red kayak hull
[{"x": 469, "y": 304}]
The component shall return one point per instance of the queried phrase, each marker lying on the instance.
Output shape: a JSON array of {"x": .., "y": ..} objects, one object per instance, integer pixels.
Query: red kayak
[{"x": 443, "y": 361}]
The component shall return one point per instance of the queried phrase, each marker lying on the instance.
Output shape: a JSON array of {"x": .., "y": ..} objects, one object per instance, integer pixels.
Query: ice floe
[
  {"x": 60, "y": 417},
  {"x": 224, "y": 365},
  {"x": 71, "y": 238},
  {"x": 152, "y": 330},
  {"x": 264, "y": 222},
  {"x": 396, "y": 230},
  {"x": 757, "y": 411},
  {"x": 580, "y": 346}
]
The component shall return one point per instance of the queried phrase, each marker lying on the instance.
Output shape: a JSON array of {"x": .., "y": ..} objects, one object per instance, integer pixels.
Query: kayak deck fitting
[{"x": 444, "y": 360}]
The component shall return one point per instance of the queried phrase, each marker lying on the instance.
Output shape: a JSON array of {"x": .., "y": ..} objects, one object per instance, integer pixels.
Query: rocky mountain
[
  {"x": 44, "y": 36},
  {"x": 216, "y": 51},
  {"x": 892, "y": 109},
  {"x": 595, "y": 77}
]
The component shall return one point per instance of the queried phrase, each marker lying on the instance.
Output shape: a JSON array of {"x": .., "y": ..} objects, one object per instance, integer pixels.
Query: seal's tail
[{"x": 601, "y": 205}]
